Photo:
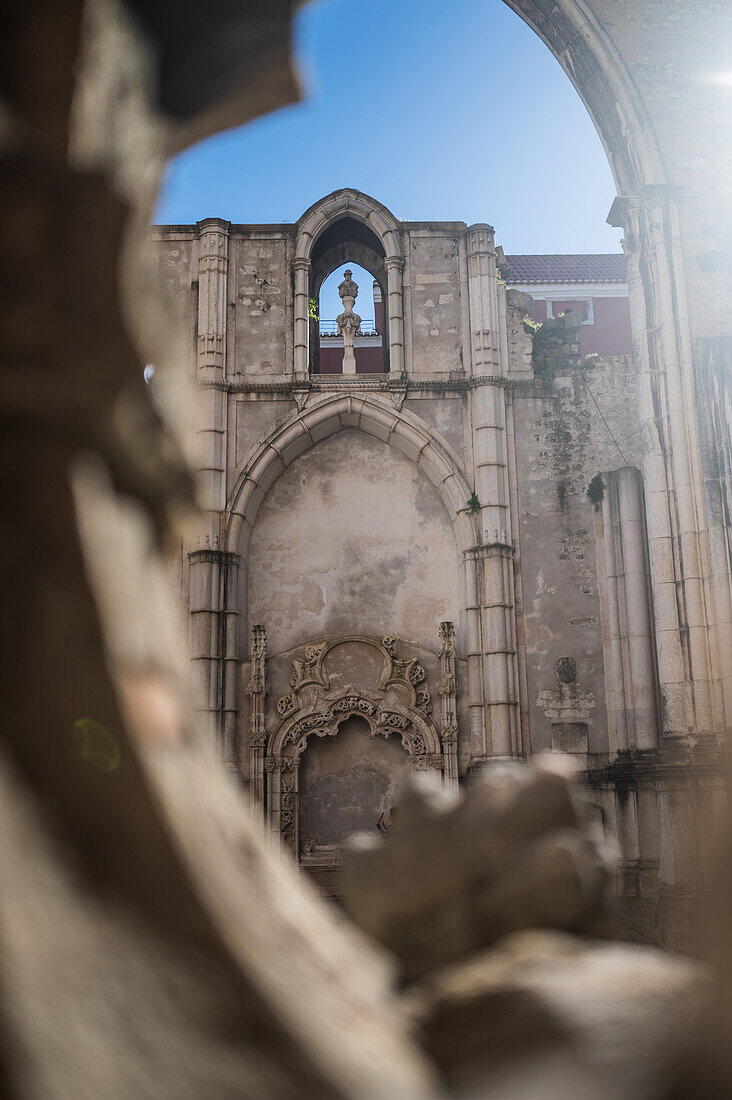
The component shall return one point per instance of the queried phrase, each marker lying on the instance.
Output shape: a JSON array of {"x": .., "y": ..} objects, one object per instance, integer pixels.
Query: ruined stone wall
[
  {"x": 562, "y": 443},
  {"x": 352, "y": 539},
  {"x": 343, "y": 530},
  {"x": 262, "y": 304},
  {"x": 435, "y": 277}
]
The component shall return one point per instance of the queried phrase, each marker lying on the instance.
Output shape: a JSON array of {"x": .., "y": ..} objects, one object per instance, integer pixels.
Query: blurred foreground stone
[
  {"x": 508, "y": 1013},
  {"x": 456, "y": 875}
]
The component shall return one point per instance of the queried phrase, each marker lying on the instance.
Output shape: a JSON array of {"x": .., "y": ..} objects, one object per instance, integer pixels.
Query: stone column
[
  {"x": 208, "y": 566},
  {"x": 229, "y": 635},
  {"x": 213, "y": 270},
  {"x": 627, "y": 582},
  {"x": 394, "y": 271},
  {"x": 257, "y": 689},
  {"x": 689, "y": 643},
  {"x": 301, "y": 269},
  {"x": 447, "y": 689},
  {"x": 206, "y": 574},
  {"x": 495, "y": 552},
  {"x": 673, "y": 491}
]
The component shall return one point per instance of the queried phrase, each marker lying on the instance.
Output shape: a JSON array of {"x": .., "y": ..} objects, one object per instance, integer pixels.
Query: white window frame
[{"x": 589, "y": 302}]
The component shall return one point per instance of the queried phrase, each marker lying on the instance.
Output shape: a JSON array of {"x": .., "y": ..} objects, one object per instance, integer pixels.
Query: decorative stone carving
[
  {"x": 418, "y": 746},
  {"x": 213, "y": 265},
  {"x": 310, "y": 669},
  {"x": 447, "y": 690},
  {"x": 566, "y": 670},
  {"x": 424, "y": 701},
  {"x": 348, "y": 322},
  {"x": 568, "y": 708},
  {"x": 300, "y": 397},
  {"x": 257, "y": 689},
  {"x": 285, "y": 704},
  {"x": 320, "y": 710},
  {"x": 398, "y": 395},
  {"x": 288, "y": 804},
  {"x": 355, "y": 703},
  {"x": 392, "y": 720}
]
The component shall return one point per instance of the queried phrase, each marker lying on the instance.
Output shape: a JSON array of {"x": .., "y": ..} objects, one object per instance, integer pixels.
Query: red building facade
[{"x": 594, "y": 285}]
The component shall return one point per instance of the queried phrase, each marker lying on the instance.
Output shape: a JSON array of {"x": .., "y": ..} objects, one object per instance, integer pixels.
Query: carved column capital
[{"x": 481, "y": 240}]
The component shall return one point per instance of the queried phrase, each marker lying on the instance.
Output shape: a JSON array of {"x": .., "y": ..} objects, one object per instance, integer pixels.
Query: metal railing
[{"x": 330, "y": 328}]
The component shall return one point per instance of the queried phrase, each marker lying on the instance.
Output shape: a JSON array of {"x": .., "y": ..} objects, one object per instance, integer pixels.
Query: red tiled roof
[{"x": 594, "y": 268}]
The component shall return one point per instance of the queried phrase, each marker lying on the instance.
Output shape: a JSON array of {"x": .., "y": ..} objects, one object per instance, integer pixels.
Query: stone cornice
[
  {"x": 378, "y": 384},
  {"x": 211, "y": 554}
]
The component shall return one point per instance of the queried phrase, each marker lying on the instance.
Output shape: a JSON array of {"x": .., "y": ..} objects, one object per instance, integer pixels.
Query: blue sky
[
  {"x": 441, "y": 110},
  {"x": 330, "y": 302}
]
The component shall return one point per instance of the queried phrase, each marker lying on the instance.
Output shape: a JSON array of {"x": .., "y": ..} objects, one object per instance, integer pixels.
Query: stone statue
[{"x": 349, "y": 323}]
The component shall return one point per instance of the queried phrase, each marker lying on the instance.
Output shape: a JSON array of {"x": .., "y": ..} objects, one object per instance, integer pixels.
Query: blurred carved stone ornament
[{"x": 566, "y": 670}]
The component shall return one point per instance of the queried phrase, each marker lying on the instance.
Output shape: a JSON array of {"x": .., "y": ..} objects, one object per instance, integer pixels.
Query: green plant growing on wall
[
  {"x": 473, "y": 504},
  {"x": 562, "y": 495},
  {"x": 313, "y": 309},
  {"x": 530, "y": 325},
  {"x": 596, "y": 491}
]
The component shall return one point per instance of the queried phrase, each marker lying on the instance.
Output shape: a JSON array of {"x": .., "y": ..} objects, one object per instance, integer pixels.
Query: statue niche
[{"x": 391, "y": 700}]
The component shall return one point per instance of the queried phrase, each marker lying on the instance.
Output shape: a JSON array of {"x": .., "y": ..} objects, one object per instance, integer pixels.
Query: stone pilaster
[
  {"x": 257, "y": 689},
  {"x": 683, "y": 590},
  {"x": 447, "y": 689},
  {"x": 624, "y": 576},
  {"x": 213, "y": 271},
  {"x": 394, "y": 280},
  {"x": 494, "y": 566},
  {"x": 494, "y": 554},
  {"x": 301, "y": 268},
  {"x": 211, "y": 401},
  {"x": 212, "y": 576}
]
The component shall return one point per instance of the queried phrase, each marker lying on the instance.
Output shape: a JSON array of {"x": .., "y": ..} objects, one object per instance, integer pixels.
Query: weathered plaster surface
[
  {"x": 436, "y": 309},
  {"x": 347, "y": 781},
  {"x": 261, "y": 296},
  {"x": 352, "y": 536},
  {"x": 561, "y": 444},
  {"x": 446, "y": 414}
]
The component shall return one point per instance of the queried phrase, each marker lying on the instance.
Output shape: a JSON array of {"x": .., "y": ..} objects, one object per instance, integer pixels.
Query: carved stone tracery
[
  {"x": 257, "y": 691},
  {"x": 447, "y": 690},
  {"x": 321, "y": 710}
]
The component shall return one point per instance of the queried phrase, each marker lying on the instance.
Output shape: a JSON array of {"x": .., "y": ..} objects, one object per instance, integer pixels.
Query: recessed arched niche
[
  {"x": 347, "y": 784},
  {"x": 349, "y": 241},
  {"x": 348, "y": 226}
]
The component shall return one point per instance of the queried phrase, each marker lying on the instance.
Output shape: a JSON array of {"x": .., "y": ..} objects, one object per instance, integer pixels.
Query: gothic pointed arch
[
  {"x": 347, "y": 202},
  {"x": 373, "y": 415},
  {"x": 399, "y": 705},
  {"x": 374, "y": 235}
]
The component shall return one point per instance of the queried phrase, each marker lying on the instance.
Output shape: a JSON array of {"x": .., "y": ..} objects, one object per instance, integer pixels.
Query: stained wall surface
[
  {"x": 352, "y": 538},
  {"x": 562, "y": 443},
  {"x": 347, "y": 782}
]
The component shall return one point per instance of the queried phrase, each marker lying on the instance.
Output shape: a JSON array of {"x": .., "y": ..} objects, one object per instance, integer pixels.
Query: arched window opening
[
  {"x": 368, "y": 345},
  {"x": 348, "y": 244}
]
